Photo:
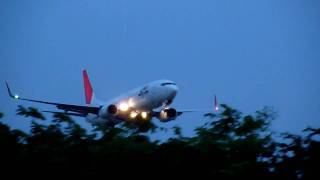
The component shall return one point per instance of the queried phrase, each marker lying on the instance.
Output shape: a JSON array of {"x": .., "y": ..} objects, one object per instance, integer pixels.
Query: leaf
[{"x": 30, "y": 112}]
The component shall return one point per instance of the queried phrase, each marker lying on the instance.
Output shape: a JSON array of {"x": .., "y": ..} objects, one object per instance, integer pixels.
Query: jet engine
[
  {"x": 168, "y": 115},
  {"x": 112, "y": 109}
]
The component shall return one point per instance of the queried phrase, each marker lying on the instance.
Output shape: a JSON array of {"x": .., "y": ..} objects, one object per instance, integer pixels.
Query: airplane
[{"x": 138, "y": 104}]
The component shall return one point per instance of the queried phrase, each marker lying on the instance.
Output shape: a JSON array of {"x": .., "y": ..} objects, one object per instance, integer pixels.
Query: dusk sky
[{"x": 250, "y": 53}]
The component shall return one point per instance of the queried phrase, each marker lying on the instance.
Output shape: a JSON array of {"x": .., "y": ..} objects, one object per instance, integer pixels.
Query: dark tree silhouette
[
  {"x": 29, "y": 112},
  {"x": 229, "y": 145}
]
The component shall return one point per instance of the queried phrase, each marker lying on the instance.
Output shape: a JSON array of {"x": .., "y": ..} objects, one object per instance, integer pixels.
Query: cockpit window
[
  {"x": 143, "y": 91},
  {"x": 168, "y": 83}
]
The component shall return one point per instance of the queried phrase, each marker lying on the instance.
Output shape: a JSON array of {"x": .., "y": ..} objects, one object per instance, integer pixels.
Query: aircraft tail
[{"x": 89, "y": 94}]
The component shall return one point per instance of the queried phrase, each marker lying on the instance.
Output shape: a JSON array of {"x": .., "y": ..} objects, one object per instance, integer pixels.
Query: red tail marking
[{"x": 87, "y": 87}]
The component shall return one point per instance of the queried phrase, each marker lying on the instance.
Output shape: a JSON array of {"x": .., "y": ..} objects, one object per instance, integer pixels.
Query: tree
[{"x": 229, "y": 145}]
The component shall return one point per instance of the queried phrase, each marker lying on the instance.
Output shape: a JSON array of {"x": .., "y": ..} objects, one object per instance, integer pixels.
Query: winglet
[
  {"x": 87, "y": 87},
  {"x": 10, "y": 93},
  {"x": 216, "y": 105}
]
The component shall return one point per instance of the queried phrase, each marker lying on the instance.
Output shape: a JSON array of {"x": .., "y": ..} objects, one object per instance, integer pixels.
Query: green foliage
[
  {"x": 229, "y": 145},
  {"x": 29, "y": 112},
  {"x": 139, "y": 126}
]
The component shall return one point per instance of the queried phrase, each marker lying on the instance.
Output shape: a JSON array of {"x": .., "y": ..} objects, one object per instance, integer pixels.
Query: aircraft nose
[
  {"x": 173, "y": 91},
  {"x": 175, "y": 88}
]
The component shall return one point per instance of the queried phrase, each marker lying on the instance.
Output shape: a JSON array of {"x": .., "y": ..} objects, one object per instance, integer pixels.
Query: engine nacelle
[
  {"x": 168, "y": 115},
  {"x": 112, "y": 109}
]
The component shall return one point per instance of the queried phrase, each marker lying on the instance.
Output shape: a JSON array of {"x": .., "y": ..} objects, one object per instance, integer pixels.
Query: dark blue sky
[{"x": 251, "y": 53}]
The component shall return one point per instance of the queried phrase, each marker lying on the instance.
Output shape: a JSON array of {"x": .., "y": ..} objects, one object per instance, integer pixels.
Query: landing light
[
  {"x": 130, "y": 103},
  {"x": 124, "y": 107},
  {"x": 16, "y": 96},
  {"x": 144, "y": 115},
  {"x": 133, "y": 114}
]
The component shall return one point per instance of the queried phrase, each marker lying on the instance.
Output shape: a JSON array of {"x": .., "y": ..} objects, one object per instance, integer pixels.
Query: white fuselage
[{"x": 144, "y": 99}]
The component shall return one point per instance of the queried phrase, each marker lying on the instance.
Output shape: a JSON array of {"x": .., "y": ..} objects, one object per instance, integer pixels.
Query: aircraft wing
[
  {"x": 66, "y": 113},
  {"x": 84, "y": 110},
  {"x": 180, "y": 112},
  {"x": 215, "y": 108}
]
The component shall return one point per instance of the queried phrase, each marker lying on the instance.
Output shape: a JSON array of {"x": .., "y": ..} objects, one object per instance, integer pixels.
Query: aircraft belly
[
  {"x": 147, "y": 103},
  {"x": 97, "y": 120}
]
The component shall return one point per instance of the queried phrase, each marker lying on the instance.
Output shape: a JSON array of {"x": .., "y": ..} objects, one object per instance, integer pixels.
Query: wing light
[
  {"x": 133, "y": 114},
  {"x": 16, "y": 96},
  {"x": 144, "y": 115}
]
